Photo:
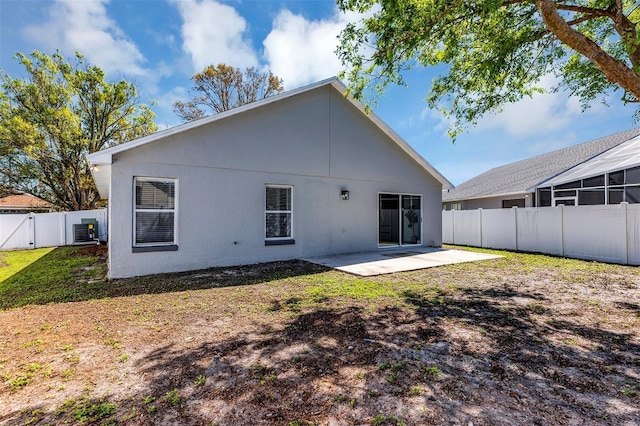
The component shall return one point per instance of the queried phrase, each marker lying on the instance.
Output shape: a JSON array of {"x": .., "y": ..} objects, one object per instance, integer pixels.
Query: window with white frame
[
  {"x": 154, "y": 212},
  {"x": 278, "y": 212}
]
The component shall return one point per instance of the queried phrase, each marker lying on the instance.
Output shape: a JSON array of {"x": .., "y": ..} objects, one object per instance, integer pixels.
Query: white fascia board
[
  {"x": 394, "y": 136},
  {"x": 105, "y": 156},
  {"x": 620, "y": 157},
  {"x": 99, "y": 157},
  {"x": 481, "y": 197},
  {"x": 545, "y": 182}
]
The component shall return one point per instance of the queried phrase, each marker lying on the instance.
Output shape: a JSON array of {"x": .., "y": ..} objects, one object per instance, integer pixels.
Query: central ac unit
[{"x": 84, "y": 233}]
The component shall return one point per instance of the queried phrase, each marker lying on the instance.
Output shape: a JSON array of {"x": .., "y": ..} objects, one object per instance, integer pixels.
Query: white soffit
[
  {"x": 623, "y": 156},
  {"x": 101, "y": 175}
]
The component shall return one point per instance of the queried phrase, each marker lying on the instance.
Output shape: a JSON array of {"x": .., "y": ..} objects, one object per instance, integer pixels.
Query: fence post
[
  {"x": 562, "y": 229},
  {"x": 480, "y": 220},
  {"x": 32, "y": 231},
  {"x": 453, "y": 227},
  {"x": 515, "y": 224},
  {"x": 62, "y": 227},
  {"x": 624, "y": 205}
]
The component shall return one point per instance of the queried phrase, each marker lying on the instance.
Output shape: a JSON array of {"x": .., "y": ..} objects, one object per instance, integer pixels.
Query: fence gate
[
  {"x": 36, "y": 230},
  {"x": 16, "y": 231}
]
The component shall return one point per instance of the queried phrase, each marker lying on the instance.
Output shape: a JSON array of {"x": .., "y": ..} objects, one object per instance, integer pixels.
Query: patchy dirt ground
[{"x": 520, "y": 340}]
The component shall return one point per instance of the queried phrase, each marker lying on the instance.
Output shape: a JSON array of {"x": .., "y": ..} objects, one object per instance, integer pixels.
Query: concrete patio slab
[{"x": 387, "y": 261}]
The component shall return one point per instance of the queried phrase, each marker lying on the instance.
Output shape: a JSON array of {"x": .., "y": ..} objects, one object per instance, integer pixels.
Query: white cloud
[
  {"x": 441, "y": 123},
  {"x": 166, "y": 100},
  {"x": 301, "y": 51},
  {"x": 540, "y": 124},
  {"x": 543, "y": 114},
  {"x": 84, "y": 26},
  {"x": 554, "y": 142},
  {"x": 214, "y": 33}
]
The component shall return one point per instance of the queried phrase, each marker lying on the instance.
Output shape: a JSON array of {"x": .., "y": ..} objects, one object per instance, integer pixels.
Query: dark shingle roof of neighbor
[{"x": 517, "y": 177}]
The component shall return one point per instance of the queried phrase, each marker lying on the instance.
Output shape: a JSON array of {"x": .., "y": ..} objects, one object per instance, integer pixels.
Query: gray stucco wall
[
  {"x": 489, "y": 202},
  {"x": 317, "y": 142}
]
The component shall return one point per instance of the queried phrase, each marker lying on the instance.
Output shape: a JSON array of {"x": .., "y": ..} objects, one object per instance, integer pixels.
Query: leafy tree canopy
[
  {"x": 494, "y": 51},
  {"x": 56, "y": 115},
  {"x": 4, "y": 191},
  {"x": 222, "y": 87}
]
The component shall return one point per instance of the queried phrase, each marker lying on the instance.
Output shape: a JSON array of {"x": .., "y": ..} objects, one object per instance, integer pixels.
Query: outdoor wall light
[{"x": 344, "y": 195}]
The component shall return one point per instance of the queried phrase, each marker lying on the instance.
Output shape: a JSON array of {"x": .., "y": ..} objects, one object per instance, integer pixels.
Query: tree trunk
[{"x": 615, "y": 70}]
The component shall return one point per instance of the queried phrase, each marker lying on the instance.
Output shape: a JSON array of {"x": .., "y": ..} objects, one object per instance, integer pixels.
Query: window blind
[{"x": 154, "y": 211}]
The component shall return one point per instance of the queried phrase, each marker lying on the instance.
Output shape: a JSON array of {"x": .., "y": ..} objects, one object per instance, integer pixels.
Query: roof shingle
[
  {"x": 23, "y": 201},
  {"x": 522, "y": 175}
]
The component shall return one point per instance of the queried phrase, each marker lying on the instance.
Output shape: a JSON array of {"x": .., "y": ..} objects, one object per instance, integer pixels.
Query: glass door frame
[{"x": 400, "y": 196}]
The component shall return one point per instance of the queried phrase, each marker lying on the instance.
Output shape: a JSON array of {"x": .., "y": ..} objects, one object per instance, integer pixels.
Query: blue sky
[{"x": 160, "y": 44}]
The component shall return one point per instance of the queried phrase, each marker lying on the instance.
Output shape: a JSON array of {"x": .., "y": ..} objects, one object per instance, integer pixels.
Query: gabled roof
[
  {"x": 23, "y": 201},
  {"x": 523, "y": 176},
  {"x": 101, "y": 160}
]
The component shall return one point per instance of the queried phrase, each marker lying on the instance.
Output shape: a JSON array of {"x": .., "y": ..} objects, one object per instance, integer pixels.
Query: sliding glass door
[
  {"x": 411, "y": 219},
  {"x": 399, "y": 220}
]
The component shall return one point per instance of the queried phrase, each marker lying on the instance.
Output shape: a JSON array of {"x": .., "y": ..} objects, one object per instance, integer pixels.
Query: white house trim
[{"x": 100, "y": 159}]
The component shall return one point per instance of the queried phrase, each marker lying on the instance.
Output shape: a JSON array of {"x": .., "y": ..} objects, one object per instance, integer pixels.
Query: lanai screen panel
[{"x": 623, "y": 156}]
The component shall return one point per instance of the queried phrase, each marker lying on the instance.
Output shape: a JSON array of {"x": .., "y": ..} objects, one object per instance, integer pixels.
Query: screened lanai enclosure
[{"x": 612, "y": 177}]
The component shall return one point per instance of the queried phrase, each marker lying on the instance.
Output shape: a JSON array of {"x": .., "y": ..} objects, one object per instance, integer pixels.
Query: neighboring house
[
  {"x": 303, "y": 173},
  {"x": 24, "y": 203},
  {"x": 516, "y": 184},
  {"x": 612, "y": 177}
]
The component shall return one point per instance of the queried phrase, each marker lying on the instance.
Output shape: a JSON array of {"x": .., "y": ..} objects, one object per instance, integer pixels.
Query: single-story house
[
  {"x": 24, "y": 203},
  {"x": 303, "y": 173},
  {"x": 516, "y": 184}
]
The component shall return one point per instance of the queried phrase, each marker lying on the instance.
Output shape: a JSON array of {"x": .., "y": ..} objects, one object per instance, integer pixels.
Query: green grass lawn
[
  {"x": 50, "y": 275},
  {"x": 12, "y": 262},
  {"x": 316, "y": 345},
  {"x": 66, "y": 274}
]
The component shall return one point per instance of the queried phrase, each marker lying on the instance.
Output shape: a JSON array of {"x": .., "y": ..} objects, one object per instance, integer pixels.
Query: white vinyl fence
[
  {"x": 608, "y": 233},
  {"x": 35, "y": 230}
]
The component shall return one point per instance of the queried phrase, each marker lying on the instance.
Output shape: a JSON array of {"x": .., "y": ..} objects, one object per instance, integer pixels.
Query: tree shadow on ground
[
  {"x": 211, "y": 278},
  {"x": 557, "y": 370},
  {"x": 411, "y": 366},
  {"x": 74, "y": 274},
  {"x": 474, "y": 356},
  {"x": 633, "y": 307}
]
